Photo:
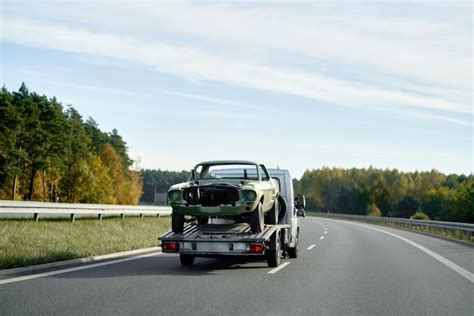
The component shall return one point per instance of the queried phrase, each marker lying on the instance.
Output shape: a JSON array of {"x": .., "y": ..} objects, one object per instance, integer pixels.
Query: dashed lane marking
[
  {"x": 311, "y": 247},
  {"x": 322, "y": 237}
]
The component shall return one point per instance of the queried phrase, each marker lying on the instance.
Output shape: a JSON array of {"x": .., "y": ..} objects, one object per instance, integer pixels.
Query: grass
[{"x": 26, "y": 242}]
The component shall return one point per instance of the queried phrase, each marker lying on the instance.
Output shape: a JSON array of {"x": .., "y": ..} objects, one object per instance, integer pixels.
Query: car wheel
[
  {"x": 282, "y": 208},
  {"x": 256, "y": 219},
  {"x": 272, "y": 215},
  {"x": 186, "y": 260},
  {"x": 273, "y": 254},
  {"x": 177, "y": 222}
]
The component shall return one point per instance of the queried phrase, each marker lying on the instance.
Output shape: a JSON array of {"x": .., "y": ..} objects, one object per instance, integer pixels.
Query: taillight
[
  {"x": 170, "y": 246},
  {"x": 256, "y": 248}
]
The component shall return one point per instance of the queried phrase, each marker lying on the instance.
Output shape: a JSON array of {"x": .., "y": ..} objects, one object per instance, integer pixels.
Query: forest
[
  {"x": 389, "y": 192},
  {"x": 49, "y": 153}
]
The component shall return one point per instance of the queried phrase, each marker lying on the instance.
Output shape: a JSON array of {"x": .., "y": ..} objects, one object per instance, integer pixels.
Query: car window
[
  {"x": 227, "y": 171},
  {"x": 263, "y": 175}
]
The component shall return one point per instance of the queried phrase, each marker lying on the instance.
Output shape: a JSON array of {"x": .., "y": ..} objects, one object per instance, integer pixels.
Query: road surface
[{"x": 343, "y": 268}]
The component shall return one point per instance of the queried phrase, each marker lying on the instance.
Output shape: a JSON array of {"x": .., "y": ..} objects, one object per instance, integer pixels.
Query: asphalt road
[{"x": 343, "y": 268}]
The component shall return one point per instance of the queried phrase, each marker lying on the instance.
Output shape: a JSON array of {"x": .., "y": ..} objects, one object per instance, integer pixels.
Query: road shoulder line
[
  {"x": 73, "y": 269},
  {"x": 59, "y": 264},
  {"x": 456, "y": 268}
]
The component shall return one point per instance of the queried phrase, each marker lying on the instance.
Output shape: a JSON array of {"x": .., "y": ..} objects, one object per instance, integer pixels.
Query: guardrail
[
  {"x": 16, "y": 208},
  {"x": 450, "y": 229}
]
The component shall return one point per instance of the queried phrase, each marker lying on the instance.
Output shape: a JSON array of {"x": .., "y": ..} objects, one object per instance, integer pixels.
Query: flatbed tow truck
[{"x": 218, "y": 239}]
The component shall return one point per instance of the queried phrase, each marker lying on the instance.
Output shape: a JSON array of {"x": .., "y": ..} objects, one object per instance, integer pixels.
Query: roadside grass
[{"x": 24, "y": 242}]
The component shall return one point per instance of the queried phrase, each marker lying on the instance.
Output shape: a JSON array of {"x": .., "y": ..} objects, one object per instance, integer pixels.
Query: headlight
[
  {"x": 249, "y": 195},
  {"x": 174, "y": 195}
]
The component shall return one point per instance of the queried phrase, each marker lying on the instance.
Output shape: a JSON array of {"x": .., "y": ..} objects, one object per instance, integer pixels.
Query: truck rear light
[
  {"x": 170, "y": 246},
  {"x": 256, "y": 248}
]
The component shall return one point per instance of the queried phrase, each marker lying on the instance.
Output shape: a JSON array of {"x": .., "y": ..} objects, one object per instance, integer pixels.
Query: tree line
[
  {"x": 49, "y": 153},
  {"x": 159, "y": 181},
  {"x": 389, "y": 192}
]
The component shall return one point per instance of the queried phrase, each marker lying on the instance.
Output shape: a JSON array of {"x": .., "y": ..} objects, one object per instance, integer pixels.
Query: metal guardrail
[
  {"x": 446, "y": 228},
  {"x": 14, "y": 208}
]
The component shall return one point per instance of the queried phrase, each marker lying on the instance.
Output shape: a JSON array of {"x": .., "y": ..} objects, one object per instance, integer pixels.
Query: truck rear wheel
[
  {"x": 273, "y": 254},
  {"x": 256, "y": 219},
  {"x": 186, "y": 260},
  {"x": 177, "y": 222},
  {"x": 293, "y": 251}
]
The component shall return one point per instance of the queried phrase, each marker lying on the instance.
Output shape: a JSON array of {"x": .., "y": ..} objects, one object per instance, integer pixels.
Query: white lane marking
[
  {"x": 322, "y": 237},
  {"x": 89, "y": 266},
  {"x": 311, "y": 247},
  {"x": 460, "y": 270},
  {"x": 325, "y": 232},
  {"x": 273, "y": 271}
]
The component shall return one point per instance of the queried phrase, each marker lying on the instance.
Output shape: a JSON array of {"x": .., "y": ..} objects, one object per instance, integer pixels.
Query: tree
[
  {"x": 406, "y": 207},
  {"x": 120, "y": 146},
  {"x": 97, "y": 137},
  {"x": 9, "y": 153},
  {"x": 373, "y": 210},
  {"x": 438, "y": 203},
  {"x": 73, "y": 185},
  {"x": 463, "y": 208}
]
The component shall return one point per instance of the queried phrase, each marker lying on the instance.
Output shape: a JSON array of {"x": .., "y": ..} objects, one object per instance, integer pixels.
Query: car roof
[{"x": 228, "y": 162}]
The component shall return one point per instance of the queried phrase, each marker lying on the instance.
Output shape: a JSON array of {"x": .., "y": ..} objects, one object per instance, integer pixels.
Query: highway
[{"x": 343, "y": 268}]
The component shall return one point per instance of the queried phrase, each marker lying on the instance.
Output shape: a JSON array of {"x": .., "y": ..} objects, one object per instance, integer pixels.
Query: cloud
[
  {"x": 366, "y": 57},
  {"x": 195, "y": 64}
]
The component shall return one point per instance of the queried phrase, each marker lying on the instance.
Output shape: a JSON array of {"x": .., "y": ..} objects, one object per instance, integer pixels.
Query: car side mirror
[{"x": 300, "y": 201}]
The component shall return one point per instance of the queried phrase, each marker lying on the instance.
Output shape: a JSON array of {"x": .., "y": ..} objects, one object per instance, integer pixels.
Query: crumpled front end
[{"x": 214, "y": 199}]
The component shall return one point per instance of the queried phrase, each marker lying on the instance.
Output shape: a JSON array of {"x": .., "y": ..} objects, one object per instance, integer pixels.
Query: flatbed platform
[{"x": 218, "y": 239}]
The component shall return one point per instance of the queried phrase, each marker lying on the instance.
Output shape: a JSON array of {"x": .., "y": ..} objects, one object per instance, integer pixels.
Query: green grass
[{"x": 26, "y": 242}]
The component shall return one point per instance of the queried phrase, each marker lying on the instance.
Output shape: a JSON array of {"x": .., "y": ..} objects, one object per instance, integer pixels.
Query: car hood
[{"x": 239, "y": 184}]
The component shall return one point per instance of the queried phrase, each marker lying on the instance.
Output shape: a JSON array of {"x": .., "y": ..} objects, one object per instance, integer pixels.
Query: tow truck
[{"x": 223, "y": 238}]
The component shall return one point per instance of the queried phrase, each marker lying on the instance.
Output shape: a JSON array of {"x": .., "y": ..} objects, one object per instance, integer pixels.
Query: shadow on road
[{"x": 167, "y": 265}]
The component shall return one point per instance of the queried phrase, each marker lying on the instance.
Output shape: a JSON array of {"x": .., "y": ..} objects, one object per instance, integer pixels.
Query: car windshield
[{"x": 226, "y": 171}]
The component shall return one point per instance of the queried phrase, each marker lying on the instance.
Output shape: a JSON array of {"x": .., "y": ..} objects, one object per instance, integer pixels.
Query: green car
[{"x": 240, "y": 190}]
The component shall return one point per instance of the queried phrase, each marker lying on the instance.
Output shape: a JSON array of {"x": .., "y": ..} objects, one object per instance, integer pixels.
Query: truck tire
[
  {"x": 282, "y": 208},
  {"x": 272, "y": 215},
  {"x": 273, "y": 253},
  {"x": 177, "y": 222},
  {"x": 186, "y": 260},
  {"x": 293, "y": 251},
  {"x": 256, "y": 219}
]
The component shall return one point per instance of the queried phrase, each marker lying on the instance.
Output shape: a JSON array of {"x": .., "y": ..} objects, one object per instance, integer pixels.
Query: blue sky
[{"x": 296, "y": 84}]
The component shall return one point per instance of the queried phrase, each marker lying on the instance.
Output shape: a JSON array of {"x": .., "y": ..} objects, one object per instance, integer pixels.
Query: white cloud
[{"x": 196, "y": 64}]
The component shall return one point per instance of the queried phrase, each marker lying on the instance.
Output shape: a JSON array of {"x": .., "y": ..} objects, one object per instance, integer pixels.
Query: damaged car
[{"x": 242, "y": 191}]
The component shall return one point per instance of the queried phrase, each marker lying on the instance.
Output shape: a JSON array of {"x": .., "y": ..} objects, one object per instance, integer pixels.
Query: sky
[{"x": 294, "y": 84}]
